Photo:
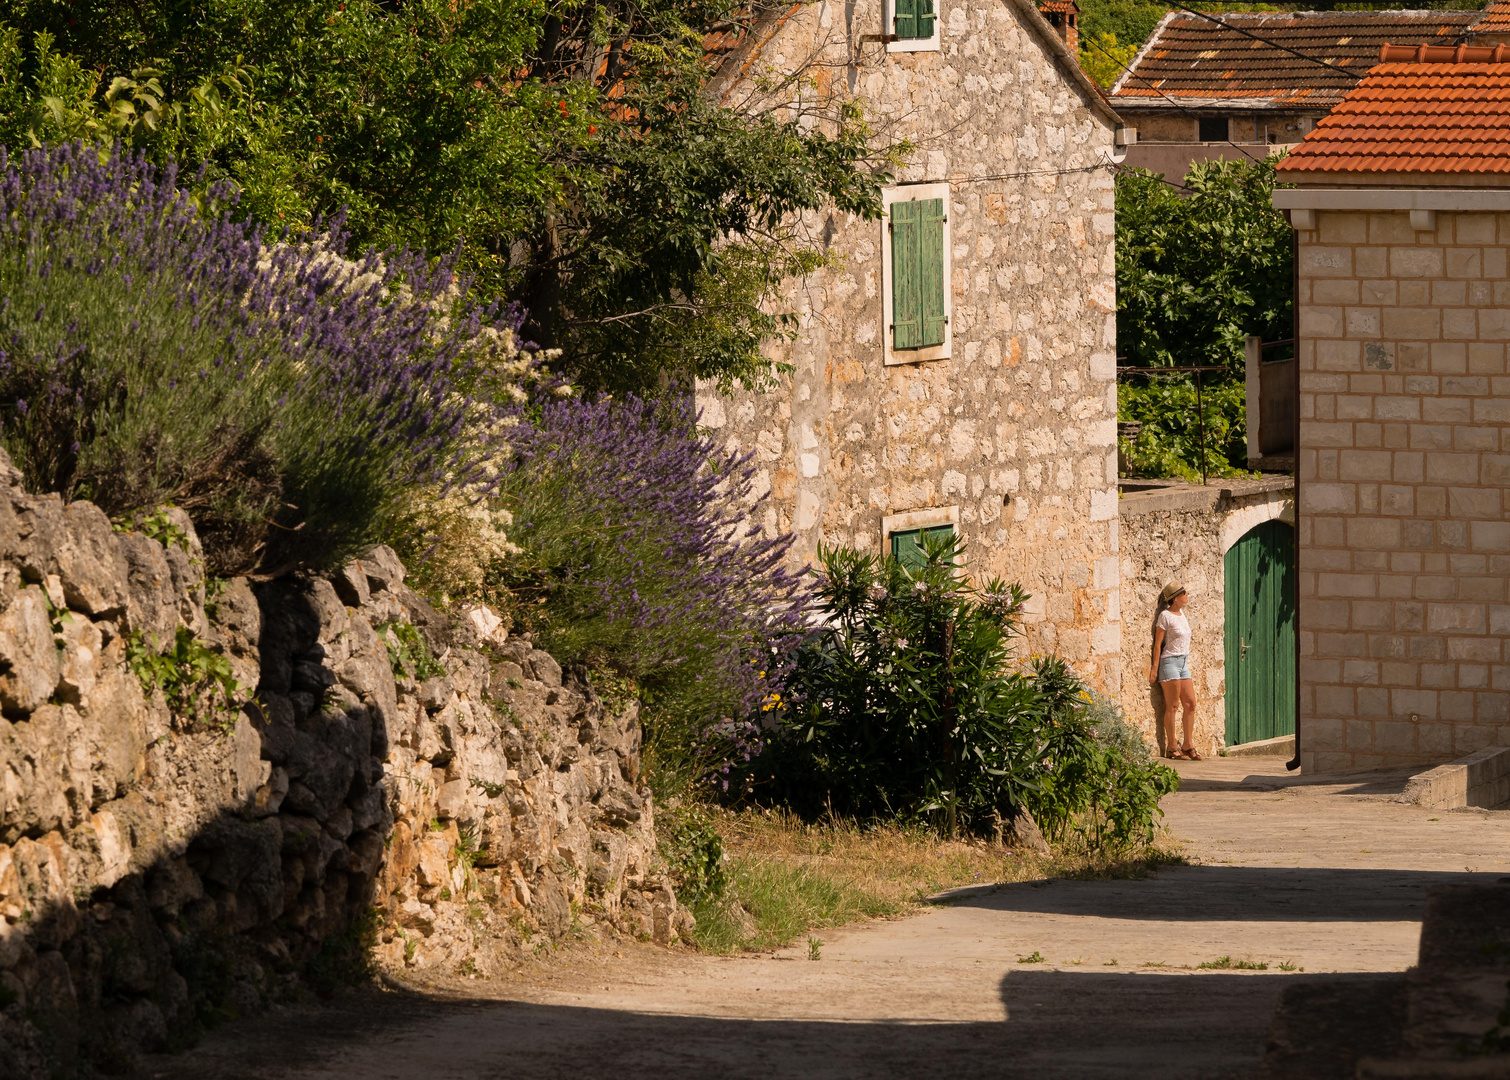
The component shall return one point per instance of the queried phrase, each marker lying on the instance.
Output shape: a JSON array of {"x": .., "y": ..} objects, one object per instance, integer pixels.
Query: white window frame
[
  {"x": 928, "y": 518},
  {"x": 908, "y": 193},
  {"x": 927, "y": 44}
]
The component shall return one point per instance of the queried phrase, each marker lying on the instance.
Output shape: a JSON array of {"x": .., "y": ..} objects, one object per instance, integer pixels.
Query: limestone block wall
[
  {"x": 161, "y": 868},
  {"x": 1015, "y": 432},
  {"x": 1405, "y": 538}
]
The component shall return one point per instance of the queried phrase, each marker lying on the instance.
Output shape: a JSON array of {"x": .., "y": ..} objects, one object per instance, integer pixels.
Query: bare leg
[
  {"x": 1171, "y": 706},
  {"x": 1187, "y": 699}
]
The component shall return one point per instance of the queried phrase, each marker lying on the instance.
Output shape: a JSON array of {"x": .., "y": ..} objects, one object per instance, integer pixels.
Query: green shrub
[
  {"x": 902, "y": 704},
  {"x": 694, "y": 853},
  {"x": 189, "y": 673},
  {"x": 904, "y": 707},
  {"x": 1105, "y": 785},
  {"x": 408, "y": 653}
]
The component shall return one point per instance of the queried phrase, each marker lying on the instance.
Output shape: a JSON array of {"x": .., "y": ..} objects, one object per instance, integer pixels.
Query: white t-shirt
[{"x": 1176, "y": 633}]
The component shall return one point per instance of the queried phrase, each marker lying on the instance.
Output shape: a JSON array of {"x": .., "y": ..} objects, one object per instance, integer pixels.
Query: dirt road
[{"x": 1315, "y": 877}]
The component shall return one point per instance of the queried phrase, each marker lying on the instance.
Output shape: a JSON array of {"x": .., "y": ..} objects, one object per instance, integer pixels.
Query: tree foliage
[
  {"x": 568, "y": 148},
  {"x": 1197, "y": 273}
]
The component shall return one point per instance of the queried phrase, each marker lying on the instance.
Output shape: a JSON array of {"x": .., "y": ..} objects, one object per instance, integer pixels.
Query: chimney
[{"x": 1063, "y": 15}]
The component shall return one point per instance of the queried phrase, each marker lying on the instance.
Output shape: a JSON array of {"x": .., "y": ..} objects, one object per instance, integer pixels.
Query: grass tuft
[{"x": 788, "y": 877}]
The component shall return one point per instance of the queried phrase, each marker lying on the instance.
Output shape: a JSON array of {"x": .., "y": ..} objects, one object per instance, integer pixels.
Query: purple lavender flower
[{"x": 286, "y": 396}]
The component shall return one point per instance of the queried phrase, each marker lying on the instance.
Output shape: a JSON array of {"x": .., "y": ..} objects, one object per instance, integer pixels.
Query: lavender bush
[
  {"x": 632, "y": 555},
  {"x": 151, "y": 352}
]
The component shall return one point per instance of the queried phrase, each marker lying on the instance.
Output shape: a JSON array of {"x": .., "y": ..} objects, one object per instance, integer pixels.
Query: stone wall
[
  {"x": 434, "y": 794},
  {"x": 1013, "y": 435},
  {"x": 1404, "y": 537},
  {"x": 1179, "y": 532}
]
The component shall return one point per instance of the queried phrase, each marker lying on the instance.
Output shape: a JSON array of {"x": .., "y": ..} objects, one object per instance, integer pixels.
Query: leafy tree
[
  {"x": 1103, "y": 58},
  {"x": 568, "y": 148},
  {"x": 1127, "y": 21},
  {"x": 1196, "y": 273}
]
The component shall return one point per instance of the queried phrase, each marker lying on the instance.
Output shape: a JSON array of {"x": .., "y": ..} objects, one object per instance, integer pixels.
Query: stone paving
[{"x": 1322, "y": 875}]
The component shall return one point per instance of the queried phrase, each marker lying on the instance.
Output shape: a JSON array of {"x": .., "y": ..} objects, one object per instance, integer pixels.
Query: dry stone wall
[{"x": 438, "y": 795}]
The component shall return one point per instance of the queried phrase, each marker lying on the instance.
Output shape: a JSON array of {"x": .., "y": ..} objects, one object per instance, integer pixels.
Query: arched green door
[{"x": 1260, "y": 633}]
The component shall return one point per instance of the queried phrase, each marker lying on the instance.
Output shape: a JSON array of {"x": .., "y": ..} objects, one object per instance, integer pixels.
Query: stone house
[
  {"x": 1401, "y": 207},
  {"x": 953, "y": 366},
  {"x": 1199, "y": 90}
]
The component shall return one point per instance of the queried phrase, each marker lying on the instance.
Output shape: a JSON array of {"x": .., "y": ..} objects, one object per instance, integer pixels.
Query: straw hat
[{"x": 1170, "y": 591}]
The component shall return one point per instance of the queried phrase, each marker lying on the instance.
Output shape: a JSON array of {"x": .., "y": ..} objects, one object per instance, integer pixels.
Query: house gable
[{"x": 997, "y": 415}]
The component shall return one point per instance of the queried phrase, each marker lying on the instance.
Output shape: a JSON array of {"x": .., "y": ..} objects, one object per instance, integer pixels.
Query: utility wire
[
  {"x": 1103, "y": 164},
  {"x": 1266, "y": 41}
]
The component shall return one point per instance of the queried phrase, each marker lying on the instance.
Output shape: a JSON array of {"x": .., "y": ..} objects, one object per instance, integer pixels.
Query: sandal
[
  {"x": 1190, "y": 754},
  {"x": 1176, "y": 755}
]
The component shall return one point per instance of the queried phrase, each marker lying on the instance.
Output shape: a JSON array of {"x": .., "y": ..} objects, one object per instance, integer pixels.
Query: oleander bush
[
  {"x": 1105, "y": 786},
  {"x": 155, "y": 350},
  {"x": 631, "y": 554},
  {"x": 907, "y": 706}
]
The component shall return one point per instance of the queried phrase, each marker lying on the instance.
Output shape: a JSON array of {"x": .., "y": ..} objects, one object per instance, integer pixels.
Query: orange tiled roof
[
  {"x": 1443, "y": 111},
  {"x": 1495, "y": 20},
  {"x": 1197, "y": 61}
]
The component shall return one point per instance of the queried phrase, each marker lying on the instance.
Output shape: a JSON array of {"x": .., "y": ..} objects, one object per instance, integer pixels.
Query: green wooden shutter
[
  {"x": 907, "y": 547},
  {"x": 924, "y": 17},
  {"x": 906, "y": 306},
  {"x": 931, "y": 282},
  {"x": 904, "y": 19}
]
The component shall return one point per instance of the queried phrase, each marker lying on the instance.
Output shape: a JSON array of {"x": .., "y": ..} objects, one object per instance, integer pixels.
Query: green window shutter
[
  {"x": 905, "y": 20},
  {"x": 907, "y": 547},
  {"x": 931, "y": 282},
  {"x": 906, "y": 306},
  {"x": 923, "y": 11}
]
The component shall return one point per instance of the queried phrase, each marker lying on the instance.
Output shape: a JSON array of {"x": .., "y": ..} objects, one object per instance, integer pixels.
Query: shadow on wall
[
  {"x": 206, "y": 916},
  {"x": 165, "y": 869},
  {"x": 1053, "y": 1024}
]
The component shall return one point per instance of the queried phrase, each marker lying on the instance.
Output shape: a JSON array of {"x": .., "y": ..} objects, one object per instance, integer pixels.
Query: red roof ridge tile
[{"x": 1444, "y": 54}]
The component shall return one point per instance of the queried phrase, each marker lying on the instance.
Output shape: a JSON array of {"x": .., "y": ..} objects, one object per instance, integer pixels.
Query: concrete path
[{"x": 1316, "y": 876}]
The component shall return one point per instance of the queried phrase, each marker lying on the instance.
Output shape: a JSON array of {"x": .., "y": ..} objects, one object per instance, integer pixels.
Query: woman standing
[{"x": 1169, "y": 667}]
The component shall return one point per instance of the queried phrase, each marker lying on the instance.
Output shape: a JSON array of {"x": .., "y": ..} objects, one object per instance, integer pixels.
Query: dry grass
[{"x": 792, "y": 877}]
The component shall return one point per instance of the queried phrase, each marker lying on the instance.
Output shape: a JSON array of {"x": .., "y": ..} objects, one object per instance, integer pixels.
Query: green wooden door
[{"x": 1260, "y": 633}]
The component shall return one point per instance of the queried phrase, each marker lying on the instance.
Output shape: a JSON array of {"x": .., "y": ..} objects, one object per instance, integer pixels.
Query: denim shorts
[{"x": 1173, "y": 667}]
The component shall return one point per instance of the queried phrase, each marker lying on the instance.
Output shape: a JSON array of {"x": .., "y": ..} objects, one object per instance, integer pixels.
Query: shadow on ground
[
  {"x": 1224, "y": 893},
  {"x": 1381, "y": 782},
  {"x": 1054, "y": 1024}
]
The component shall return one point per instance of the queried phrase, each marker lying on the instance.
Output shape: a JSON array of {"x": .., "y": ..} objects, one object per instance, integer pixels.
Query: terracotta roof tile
[
  {"x": 1435, "y": 116},
  {"x": 1495, "y": 20},
  {"x": 1190, "y": 58}
]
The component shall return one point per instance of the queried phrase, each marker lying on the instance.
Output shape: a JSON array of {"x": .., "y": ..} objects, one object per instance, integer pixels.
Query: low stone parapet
[{"x": 1480, "y": 779}]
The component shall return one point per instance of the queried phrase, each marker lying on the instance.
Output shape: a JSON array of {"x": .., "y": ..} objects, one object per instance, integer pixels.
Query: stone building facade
[
  {"x": 1003, "y": 427},
  {"x": 1404, "y": 294}
]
